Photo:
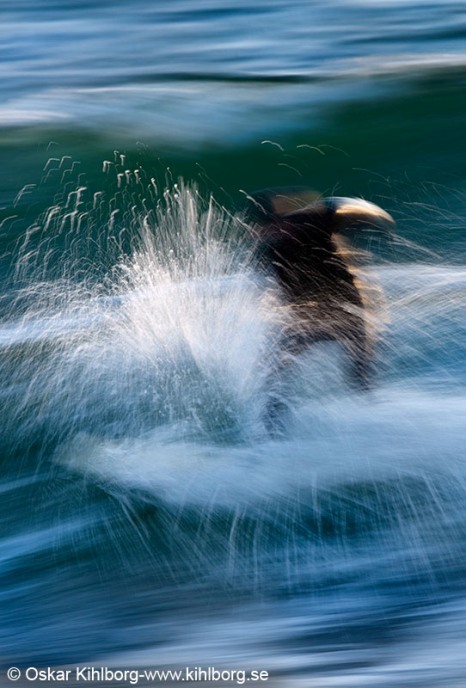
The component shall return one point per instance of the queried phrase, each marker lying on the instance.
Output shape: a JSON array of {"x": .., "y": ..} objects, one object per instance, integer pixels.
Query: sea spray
[{"x": 176, "y": 332}]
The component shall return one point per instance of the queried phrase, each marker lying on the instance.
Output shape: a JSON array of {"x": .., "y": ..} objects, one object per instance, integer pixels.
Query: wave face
[{"x": 133, "y": 410}]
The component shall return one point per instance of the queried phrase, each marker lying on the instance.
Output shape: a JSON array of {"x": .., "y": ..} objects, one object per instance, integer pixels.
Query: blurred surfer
[{"x": 300, "y": 243}]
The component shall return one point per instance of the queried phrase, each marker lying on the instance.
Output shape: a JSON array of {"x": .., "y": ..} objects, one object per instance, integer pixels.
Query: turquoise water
[{"x": 146, "y": 517}]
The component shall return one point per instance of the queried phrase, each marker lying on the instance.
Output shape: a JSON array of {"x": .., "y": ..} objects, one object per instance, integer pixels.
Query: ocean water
[{"x": 147, "y": 518}]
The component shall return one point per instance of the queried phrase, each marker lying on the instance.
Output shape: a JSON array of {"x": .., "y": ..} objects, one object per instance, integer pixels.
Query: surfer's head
[{"x": 282, "y": 210}]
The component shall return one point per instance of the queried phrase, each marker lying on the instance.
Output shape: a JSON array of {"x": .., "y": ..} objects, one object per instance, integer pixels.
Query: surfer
[{"x": 300, "y": 243}]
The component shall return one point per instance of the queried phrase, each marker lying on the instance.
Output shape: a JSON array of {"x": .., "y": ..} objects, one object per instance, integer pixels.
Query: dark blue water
[{"x": 146, "y": 517}]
